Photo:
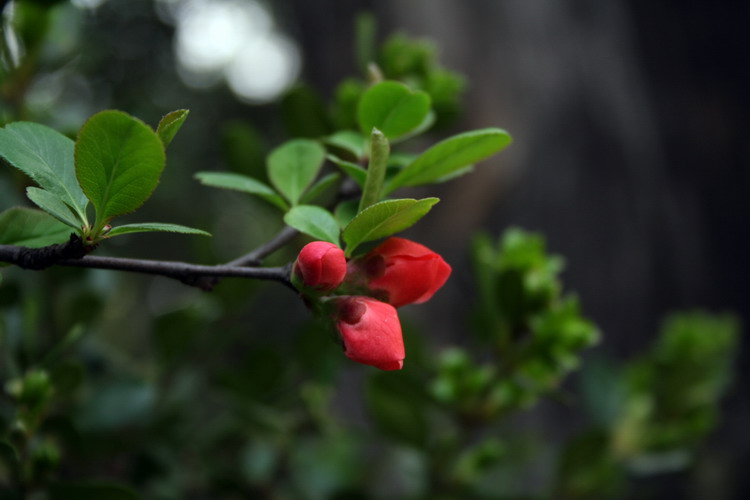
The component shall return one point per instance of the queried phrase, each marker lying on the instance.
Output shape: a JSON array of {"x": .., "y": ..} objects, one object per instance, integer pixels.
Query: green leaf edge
[
  {"x": 168, "y": 126},
  {"x": 351, "y": 246},
  {"x": 150, "y": 227},
  {"x": 323, "y": 235},
  {"x": 264, "y": 191}
]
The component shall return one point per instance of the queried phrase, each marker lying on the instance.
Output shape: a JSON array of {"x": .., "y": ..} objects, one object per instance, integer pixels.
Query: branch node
[{"x": 42, "y": 258}]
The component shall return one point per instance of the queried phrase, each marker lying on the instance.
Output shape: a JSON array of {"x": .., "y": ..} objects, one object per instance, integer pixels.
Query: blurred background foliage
[{"x": 122, "y": 386}]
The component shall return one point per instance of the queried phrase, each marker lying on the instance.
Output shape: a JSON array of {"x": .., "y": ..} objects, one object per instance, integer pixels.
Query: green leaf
[
  {"x": 450, "y": 155},
  {"x": 53, "y": 205},
  {"x": 379, "y": 150},
  {"x": 320, "y": 187},
  {"x": 348, "y": 140},
  {"x": 46, "y": 156},
  {"x": 118, "y": 163},
  {"x": 346, "y": 211},
  {"x": 353, "y": 170},
  {"x": 31, "y": 228},
  {"x": 239, "y": 182},
  {"x": 294, "y": 165},
  {"x": 148, "y": 227},
  {"x": 455, "y": 174},
  {"x": 424, "y": 126},
  {"x": 170, "y": 124},
  {"x": 384, "y": 219},
  {"x": 315, "y": 221},
  {"x": 392, "y": 108}
]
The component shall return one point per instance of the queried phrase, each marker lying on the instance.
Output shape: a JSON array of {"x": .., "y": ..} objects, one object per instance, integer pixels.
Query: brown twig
[{"x": 190, "y": 274}]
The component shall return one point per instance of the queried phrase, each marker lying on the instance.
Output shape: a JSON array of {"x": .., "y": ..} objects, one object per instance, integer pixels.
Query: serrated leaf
[
  {"x": 320, "y": 187},
  {"x": 46, "y": 156},
  {"x": 239, "y": 182},
  {"x": 53, "y": 205},
  {"x": 450, "y": 155},
  {"x": 353, "y": 170},
  {"x": 293, "y": 166},
  {"x": 379, "y": 150},
  {"x": 119, "y": 160},
  {"x": 393, "y": 108},
  {"x": 148, "y": 227},
  {"x": 170, "y": 124},
  {"x": 315, "y": 221},
  {"x": 31, "y": 228},
  {"x": 348, "y": 140},
  {"x": 384, "y": 219}
]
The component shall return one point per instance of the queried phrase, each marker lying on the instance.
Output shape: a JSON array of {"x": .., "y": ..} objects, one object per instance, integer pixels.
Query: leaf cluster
[
  {"x": 651, "y": 413},
  {"x": 535, "y": 332},
  {"x": 304, "y": 172},
  {"x": 114, "y": 164}
]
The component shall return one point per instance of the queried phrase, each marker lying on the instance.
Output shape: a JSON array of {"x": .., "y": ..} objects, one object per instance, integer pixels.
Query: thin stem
[
  {"x": 255, "y": 257},
  {"x": 190, "y": 274}
]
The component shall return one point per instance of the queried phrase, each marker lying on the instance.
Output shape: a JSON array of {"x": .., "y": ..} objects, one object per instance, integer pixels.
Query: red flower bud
[
  {"x": 400, "y": 272},
  {"x": 320, "y": 265},
  {"x": 371, "y": 332}
]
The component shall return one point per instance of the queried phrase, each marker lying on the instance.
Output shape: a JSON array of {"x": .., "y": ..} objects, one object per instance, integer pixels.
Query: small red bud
[
  {"x": 321, "y": 266},
  {"x": 370, "y": 331},
  {"x": 400, "y": 271}
]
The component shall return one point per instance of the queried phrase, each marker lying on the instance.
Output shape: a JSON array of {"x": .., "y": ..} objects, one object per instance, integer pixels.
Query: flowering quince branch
[
  {"x": 357, "y": 294},
  {"x": 255, "y": 257},
  {"x": 190, "y": 274}
]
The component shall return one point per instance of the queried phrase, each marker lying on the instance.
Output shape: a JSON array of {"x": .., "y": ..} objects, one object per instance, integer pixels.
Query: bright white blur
[{"x": 233, "y": 40}]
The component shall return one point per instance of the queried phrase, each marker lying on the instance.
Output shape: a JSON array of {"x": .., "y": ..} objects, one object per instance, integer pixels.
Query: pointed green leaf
[
  {"x": 148, "y": 227},
  {"x": 170, "y": 124},
  {"x": 392, "y": 108},
  {"x": 455, "y": 174},
  {"x": 348, "y": 140},
  {"x": 53, "y": 205},
  {"x": 46, "y": 156},
  {"x": 32, "y": 228},
  {"x": 320, "y": 187},
  {"x": 294, "y": 165},
  {"x": 379, "y": 150},
  {"x": 119, "y": 160},
  {"x": 384, "y": 219},
  {"x": 353, "y": 170},
  {"x": 450, "y": 155},
  {"x": 239, "y": 182},
  {"x": 315, "y": 221}
]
